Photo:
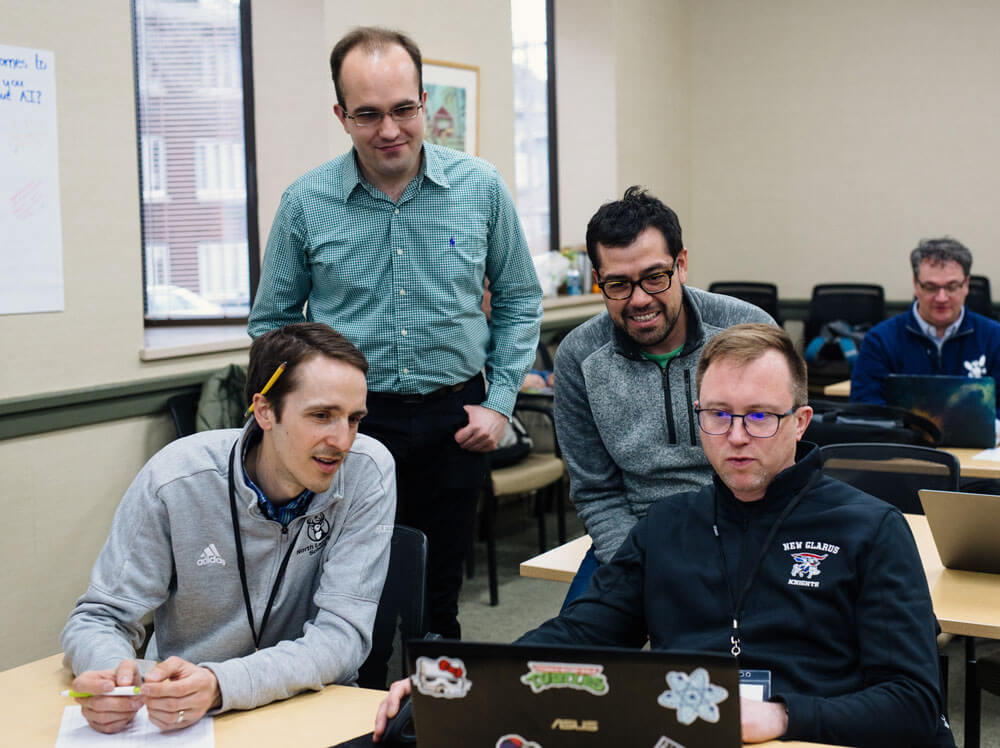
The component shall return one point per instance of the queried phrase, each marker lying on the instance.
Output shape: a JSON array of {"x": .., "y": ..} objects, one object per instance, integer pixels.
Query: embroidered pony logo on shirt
[{"x": 976, "y": 368}]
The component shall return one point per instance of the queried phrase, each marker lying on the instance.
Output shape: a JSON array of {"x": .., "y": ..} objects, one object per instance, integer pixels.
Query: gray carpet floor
[{"x": 525, "y": 603}]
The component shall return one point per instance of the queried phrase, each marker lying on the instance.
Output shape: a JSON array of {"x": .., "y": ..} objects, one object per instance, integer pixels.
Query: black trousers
[{"x": 437, "y": 485}]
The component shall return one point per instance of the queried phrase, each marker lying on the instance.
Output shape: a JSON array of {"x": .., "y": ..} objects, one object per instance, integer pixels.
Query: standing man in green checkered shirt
[{"x": 389, "y": 244}]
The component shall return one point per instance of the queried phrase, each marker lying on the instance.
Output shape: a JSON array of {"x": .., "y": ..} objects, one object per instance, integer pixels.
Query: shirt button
[
  {"x": 406, "y": 371},
  {"x": 402, "y": 292},
  {"x": 399, "y": 251},
  {"x": 402, "y": 332},
  {"x": 396, "y": 212}
]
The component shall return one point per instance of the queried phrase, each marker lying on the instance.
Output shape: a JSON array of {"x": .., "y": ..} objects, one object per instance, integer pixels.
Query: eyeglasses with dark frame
[
  {"x": 654, "y": 283},
  {"x": 760, "y": 424},
  {"x": 931, "y": 289},
  {"x": 374, "y": 117}
]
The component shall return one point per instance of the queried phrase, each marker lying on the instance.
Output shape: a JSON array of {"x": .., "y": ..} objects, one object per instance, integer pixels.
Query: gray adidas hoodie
[
  {"x": 627, "y": 429},
  {"x": 171, "y": 550}
]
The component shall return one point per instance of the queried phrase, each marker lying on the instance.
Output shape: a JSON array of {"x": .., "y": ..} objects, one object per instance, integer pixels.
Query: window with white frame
[
  {"x": 154, "y": 175},
  {"x": 222, "y": 277},
  {"x": 532, "y": 152},
  {"x": 220, "y": 173},
  {"x": 157, "y": 265},
  {"x": 195, "y": 127}
]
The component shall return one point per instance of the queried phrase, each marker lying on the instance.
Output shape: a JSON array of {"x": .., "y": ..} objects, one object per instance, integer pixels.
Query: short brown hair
[
  {"x": 743, "y": 344},
  {"x": 295, "y": 344},
  {"x": 372, "y": 38}
]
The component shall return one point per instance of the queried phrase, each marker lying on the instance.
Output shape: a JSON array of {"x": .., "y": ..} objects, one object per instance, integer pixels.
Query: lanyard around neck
[
  {"x": 241, "y": 564},
  {"x": 737, "y": 602}
]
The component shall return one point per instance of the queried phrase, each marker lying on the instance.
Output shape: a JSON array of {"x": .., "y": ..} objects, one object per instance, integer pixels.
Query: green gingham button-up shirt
[{"x": 404, "y": 281}]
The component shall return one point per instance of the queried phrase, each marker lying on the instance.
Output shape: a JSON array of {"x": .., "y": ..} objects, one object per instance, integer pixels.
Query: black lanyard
[
  {"x": 737, "y": 603},
  {"x": 257, "y": 635}
]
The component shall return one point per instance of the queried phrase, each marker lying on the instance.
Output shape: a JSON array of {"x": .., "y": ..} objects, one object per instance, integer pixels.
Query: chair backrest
[
  {"x": 980, "y": 300},
  {"x": 855, "y": 303},
  {"x": 401, "y": 605},
  {"x": 183, "y": 408},
  {"x": 763, "y": 295},
  {"x": 892, "y": 472}
]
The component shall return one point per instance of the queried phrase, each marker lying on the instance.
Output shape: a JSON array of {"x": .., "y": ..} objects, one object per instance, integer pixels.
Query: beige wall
[
  {"x": 623, "y": 105},
  {"x": 828, "y": 137}
]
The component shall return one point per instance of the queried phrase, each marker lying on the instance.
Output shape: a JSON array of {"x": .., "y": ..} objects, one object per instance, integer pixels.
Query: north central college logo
[{"x": 542, "y": 676}]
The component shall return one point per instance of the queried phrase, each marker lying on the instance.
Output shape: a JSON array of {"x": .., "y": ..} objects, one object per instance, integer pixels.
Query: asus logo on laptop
[{"x": 566, "y": 723}]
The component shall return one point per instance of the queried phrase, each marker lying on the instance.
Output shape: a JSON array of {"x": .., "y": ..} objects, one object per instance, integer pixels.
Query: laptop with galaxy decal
[
  {"x": 963, "y": 408},
  {"x": 514, "y": 696}
]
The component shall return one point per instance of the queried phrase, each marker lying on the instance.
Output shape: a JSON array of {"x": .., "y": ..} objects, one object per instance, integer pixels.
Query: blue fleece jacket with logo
[{"x": 899, "y": 346}]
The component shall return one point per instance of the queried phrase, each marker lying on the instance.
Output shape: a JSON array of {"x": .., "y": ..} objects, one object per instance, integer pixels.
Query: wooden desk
[
  {"x": 838, "y": 389},
  {"x": 559, "y": 564},
  {"x": 32, "y": 711}
]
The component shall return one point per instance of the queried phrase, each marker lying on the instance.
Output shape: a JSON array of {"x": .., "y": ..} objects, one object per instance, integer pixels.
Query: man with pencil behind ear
[{"x": 261, "y": 552}]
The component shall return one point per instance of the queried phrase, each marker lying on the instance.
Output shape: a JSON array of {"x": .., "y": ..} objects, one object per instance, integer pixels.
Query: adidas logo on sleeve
[{"x": 211, "y": 556}]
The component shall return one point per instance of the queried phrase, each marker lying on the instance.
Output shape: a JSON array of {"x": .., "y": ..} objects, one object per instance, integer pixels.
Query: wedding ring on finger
[{"x": 180, "y": 716}]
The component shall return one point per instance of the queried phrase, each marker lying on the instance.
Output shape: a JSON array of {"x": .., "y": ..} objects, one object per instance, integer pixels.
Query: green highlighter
[{"x": 117, "y": 691}]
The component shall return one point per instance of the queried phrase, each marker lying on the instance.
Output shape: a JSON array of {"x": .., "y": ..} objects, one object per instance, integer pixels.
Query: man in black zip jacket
[
  {"x": 798, "y": 575},
  {"x": 624, "y": 380}
]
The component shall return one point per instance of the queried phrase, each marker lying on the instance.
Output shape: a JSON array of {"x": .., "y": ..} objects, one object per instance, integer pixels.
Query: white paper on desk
[
  {"x": 988, "y": 454},
  {"x": 74, "y": 732}
]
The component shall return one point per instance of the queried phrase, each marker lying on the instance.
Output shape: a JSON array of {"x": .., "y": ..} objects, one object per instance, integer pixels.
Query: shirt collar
[
  {"x": 431, "y": 167},
  {"x": 283, "y": 514},
  {"x": 931, "y": 332}
]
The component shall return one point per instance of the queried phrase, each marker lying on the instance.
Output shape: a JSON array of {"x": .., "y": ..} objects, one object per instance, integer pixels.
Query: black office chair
[
  {"x": 183, "y": 408},
  {"x": 892, "y": 472},
  {"x": 400, "y": 607},
  {"x": 979, "y": 299},
  {"x": 763, "y": 295},
  {"x": 854, "y": 303}
]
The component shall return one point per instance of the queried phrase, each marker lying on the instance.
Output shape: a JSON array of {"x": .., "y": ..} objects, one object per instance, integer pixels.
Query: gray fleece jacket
[
  {"x": 627, "y": 429},
  {"x": 171, "y": 550}
]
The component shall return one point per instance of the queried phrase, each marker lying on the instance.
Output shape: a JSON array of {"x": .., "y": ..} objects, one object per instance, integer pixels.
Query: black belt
[{"x": 404, "y": 397}]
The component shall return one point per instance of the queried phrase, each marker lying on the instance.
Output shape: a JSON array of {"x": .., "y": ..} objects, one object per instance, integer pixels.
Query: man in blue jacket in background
[{"x": 938, "y": 335}]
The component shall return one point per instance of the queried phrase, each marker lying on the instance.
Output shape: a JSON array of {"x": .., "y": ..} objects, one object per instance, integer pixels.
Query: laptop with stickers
[
  {"x": 963, "y": 408},
  {"x": 514, "y": 696},
  {"x": 963, "y": 526}
]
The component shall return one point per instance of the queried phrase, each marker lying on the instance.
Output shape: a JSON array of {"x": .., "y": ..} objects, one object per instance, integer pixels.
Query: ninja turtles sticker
[
  {"x": 693, "y": 696},
  {"x": 441, "y": 677},
  {"x": 542, "y": 676}
]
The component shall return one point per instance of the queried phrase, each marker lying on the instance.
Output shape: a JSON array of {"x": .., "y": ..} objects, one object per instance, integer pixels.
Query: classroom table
[
  {"x": 32, "y": 711},
  {"x": 838, "y": 389}
]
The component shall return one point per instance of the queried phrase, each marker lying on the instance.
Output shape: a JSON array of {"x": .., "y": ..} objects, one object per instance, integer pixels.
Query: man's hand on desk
[
  {"x": 178, "y": 693},
  {"x": 762, "y": 720},
  {"x": 484, "y": 430},
  {"x": 390, "y": 706},
  {"x": 108, "y": 714}
]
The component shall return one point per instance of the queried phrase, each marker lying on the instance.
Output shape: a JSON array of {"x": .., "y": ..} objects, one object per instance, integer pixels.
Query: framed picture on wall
[{"x": 452, "y": 116}]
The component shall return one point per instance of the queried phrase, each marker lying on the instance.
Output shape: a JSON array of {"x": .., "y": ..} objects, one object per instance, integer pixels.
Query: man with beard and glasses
[{"x": 625, "y": 380}]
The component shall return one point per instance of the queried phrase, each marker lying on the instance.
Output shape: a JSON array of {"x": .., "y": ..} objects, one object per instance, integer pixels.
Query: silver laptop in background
[{"x": 965, "y": 529}]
